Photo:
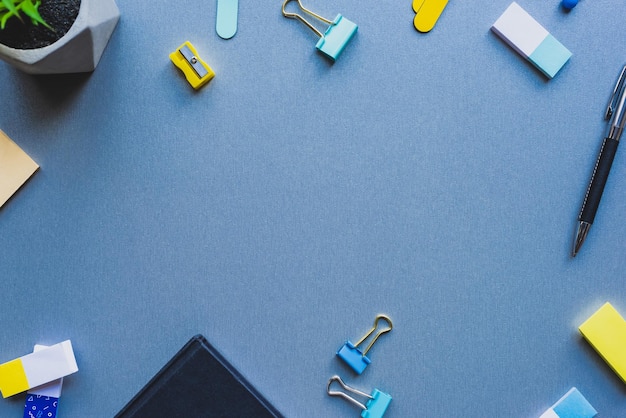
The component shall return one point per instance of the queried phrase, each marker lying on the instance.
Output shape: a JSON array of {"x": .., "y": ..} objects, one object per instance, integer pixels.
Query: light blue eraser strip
[
  {"x": 226, "y": 24},
  {"x": 574, "y": 404},
  {"x": 550, "y": 56}
]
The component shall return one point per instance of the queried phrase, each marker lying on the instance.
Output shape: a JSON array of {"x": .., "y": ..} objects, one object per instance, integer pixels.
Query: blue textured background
[{"x": 432, "y": 177}]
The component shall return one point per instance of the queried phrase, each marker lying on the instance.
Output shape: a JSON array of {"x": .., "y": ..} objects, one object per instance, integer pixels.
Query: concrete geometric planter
[{"x": 78, "y": 51}]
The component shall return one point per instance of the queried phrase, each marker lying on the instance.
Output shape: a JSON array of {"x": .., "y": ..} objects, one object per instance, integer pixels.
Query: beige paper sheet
[{"x": 15, "y": 167}]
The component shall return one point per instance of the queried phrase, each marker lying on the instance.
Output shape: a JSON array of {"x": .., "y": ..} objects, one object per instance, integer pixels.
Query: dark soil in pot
[{"x": 59, "y": 14}]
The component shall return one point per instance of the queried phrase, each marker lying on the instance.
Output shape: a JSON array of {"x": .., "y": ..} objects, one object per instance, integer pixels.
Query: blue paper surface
[{"x": 432, "y": 177}]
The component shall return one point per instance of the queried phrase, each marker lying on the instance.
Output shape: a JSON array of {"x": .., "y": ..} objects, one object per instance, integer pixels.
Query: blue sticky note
[
  {"x": 572, "y": 405},
  {"x": 226, "y": 24}
]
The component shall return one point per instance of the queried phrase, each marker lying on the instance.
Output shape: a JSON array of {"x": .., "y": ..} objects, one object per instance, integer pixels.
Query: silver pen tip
[{"x": 581, "y": 235}]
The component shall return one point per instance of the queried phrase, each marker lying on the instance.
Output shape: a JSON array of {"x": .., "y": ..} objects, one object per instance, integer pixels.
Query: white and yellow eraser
[
  {"x": 531, "y": 40},
  {"x": 605, "y": 330},
  {"x": 15, "y": 167},
  {"x": 50, "y": 389},
  {"x": 37, "y": 368}
]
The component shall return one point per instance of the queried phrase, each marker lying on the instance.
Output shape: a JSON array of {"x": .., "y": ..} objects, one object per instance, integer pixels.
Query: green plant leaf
[
  {"x": 31, "y": 10},
  {"x": 10, "y": 5},
  {"x": 5, "y": 17}
]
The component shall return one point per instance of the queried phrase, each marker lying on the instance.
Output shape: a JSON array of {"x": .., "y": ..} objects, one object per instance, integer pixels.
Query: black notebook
[{"x": 198, "y": 382}]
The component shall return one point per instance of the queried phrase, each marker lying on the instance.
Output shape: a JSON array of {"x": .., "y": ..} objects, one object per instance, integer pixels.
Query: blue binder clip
[
  {"x": 337, "y": 35},
  {"x": 377, "y": 402},
  {"x": 353, "y": 356}
]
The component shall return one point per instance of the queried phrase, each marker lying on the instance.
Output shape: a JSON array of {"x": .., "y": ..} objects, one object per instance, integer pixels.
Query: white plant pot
[{"x": 78, "y": 51}]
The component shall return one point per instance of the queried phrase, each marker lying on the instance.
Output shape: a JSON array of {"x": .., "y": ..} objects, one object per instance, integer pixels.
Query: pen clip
[{"x": 618, "y": 92}]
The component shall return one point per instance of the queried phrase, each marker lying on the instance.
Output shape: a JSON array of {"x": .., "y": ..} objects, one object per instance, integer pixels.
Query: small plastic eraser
[
  {"x": 427, "y": 13},
  {"x": 43, "y": 400},
  {"x": 377, "y": 406},
  {"x": 337, "y": 36},
  {"x": 531, "y": 40},
  {"x": 226, "y": 23},
  {"x": 40, "y": 406},
  {"x": 605, "y": 330},
  {"x": 50, "y": 389},
  {"x": 353, "y": 357},
  {"x": 196, "y": 71},
  {"x": 569, "y": 4},
  {"x": 37, "y": 368},
  {"x": 571, "y": 405},
  {"x": 15, "y": 168}
]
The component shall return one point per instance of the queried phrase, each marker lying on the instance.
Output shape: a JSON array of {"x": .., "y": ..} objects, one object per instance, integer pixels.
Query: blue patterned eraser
[
  {"x": 572, "y": 405},
  {"x": 38, "y": 406}
]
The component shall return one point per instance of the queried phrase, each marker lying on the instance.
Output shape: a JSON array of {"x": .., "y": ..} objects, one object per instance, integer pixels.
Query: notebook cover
[{"x": 198, "y": 382}]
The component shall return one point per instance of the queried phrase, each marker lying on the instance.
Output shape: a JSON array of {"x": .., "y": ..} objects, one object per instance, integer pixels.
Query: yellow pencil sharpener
[{"x": 197, "y": 72}]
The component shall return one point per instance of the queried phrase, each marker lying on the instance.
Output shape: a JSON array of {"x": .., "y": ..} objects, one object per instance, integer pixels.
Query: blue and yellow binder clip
[
  {"x": 197, "y": 72},
  {"x": 336, "y": 37},
  {"x": 353, "y": 356},
  {"x": 377, "y": 402}
]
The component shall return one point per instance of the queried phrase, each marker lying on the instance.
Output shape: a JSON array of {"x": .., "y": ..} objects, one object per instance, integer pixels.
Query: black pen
[{"x": 615, "y": 115}]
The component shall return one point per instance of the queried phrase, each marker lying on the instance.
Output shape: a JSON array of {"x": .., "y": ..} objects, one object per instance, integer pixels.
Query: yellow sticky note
[
  {"x": 15, "y": 167},
  {"x": 605, "y": 330}
]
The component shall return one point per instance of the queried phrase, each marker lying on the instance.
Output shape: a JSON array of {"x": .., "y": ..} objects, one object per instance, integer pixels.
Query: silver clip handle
[{"x": 345, "y": 395}]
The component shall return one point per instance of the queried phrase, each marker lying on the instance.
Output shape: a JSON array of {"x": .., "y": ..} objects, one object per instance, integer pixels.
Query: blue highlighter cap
[{"x": 569, "y": 4}]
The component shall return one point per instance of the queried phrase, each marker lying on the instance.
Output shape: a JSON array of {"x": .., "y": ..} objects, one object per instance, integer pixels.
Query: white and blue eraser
[
  {"x": 43, "y": 401},
  {"x": 531, "y": 40},
  {"x": 572, "y": 405}
]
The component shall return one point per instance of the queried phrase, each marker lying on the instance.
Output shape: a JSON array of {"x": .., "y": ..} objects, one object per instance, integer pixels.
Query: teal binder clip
[
  {"x": 377, "y": 402},
  {"x": 352, "y": 354},
  {"x": 337, "y": 35}
]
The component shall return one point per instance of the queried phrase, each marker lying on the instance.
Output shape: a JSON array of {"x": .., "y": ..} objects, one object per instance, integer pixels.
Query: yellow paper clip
[
  {"x": 427, "y": 13},
  {"x": 197, "y": 72}
]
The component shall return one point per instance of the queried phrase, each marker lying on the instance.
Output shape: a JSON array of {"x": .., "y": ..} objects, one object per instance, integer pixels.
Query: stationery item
[
  {"x": 427, "y": 13},
  {"x": 352, "y": 354},
  {"x": 199, "y": 382},
  {"x": 37, "y": 368},
  {"x": 40, "y": 406},
  {"x": 226, "y": 24},
  {"x": 531, "y": 40},
  {"x": 572, "y": 405},
  {"x": 15, "y": 168},
  {"x": 569, "y": 4},
  {"x": 337, "y": 35},
  {"x": 43, "y": 401},
  {"x": 377, "y": 402},
  {"x": 197, "y": 72},
  {"x": 605, "y": 330},
  {"x": 615, "y": 115}
]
